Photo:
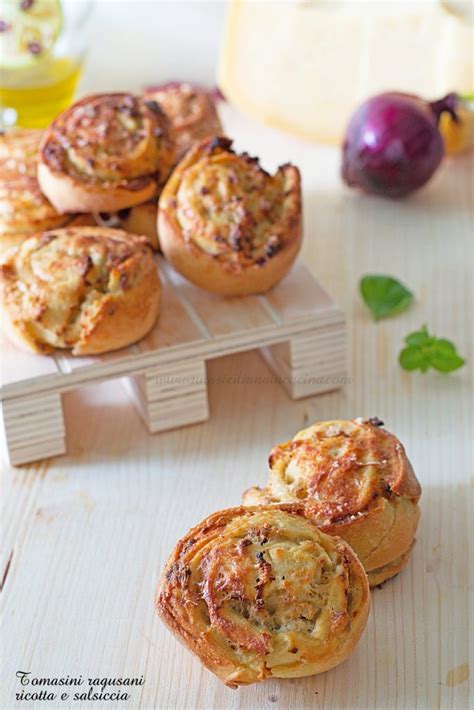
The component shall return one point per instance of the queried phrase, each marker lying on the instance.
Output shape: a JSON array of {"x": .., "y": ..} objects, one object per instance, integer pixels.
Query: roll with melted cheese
[
  {"x": 87, "y": 289},
  {"x": 19, "y": 152},
  {"x": 105, "y": 153},
  {"x": 24, "y": 210},
  {"x": 354, "y": 480},
  {"x": 191, "y": 113},
  {"x": 226, "y": 224},
  {"x": 259, "y": 593},
  {"x": 139, "y": 219},
  {"x": 192, "y": 116}
]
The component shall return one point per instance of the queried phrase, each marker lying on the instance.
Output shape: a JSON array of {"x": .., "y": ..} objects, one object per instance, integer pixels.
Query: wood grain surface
[{"x": 85, "y": 536}]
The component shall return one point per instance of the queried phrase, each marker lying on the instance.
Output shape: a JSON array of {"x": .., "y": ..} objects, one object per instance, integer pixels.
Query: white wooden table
[{"x": 86, "y": 535}]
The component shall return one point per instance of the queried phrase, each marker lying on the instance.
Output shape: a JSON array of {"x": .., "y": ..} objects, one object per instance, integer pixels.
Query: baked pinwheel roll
[
  {"x": 105, "y": 153},
  {"x": 191, "y": 112},
  {"x": 87, "y": 289},
  {"x": 355, "y": 481},
  {"x": 226, "y": 224},
  {"x": 192, "y": 116},
  {"x": 259, "y": 593},
  {"x": 19, "y": 152},
  {"x": 24, "y": 210},
  {"x": 140, "y": 219}
]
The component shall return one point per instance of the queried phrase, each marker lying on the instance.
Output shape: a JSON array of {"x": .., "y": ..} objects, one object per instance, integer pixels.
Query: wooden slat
[
  {"x": 67, "y": 363},
  {"x": 162, "y": 382},
  {"x": 174, "y": 326},
  {"x": 37, "y": 450},
  {"x": 192, "y": 324},
  {"x": 30, "y": 427},
  {"x": 17, "y": 365},
  {"x": 222, "y": 315},
  {"x": 39, "y": 406},
  {"x": 298, "y": 295}
]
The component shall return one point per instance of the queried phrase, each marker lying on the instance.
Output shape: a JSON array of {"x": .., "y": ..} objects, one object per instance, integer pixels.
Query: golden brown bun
[
  {"x": 19, "y": 152},
  {"x": 140, "y": 219},
  {"x": 24, "y": 210},
  {"x": 87, "y": 289},
  {"x": 382, "y": 574},
  {"x": 191, "y": 117},
  {"x": 191, "y": 112},
  {"x": 355, "y": 481},
  {"x": 105, "y": 153},
  {"x": 226, "y": 224},
  {"x": 257, "y": 593}
]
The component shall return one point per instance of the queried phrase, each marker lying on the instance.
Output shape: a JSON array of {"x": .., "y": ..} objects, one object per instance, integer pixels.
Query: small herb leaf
[
  {"x": 413, "y": 358},
  {"x": 384, "y": 295},
  {"x": 419, "y": 337},
  {"x": 423, "y": 351}
]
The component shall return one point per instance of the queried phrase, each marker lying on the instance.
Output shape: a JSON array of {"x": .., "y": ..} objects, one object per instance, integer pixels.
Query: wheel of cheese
[{"x": 305, "y": 66}]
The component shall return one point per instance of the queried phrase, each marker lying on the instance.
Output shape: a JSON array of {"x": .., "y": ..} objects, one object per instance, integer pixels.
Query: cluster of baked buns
[
  {"x": 115, "y": 176},
  {"x": 279, "y": 587}
]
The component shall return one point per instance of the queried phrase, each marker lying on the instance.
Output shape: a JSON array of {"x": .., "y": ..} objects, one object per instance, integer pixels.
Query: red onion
[{"x": 393, "y": 144}]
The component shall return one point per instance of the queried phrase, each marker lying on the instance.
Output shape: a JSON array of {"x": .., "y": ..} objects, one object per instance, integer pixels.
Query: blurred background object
[
  {"x": 304, "y": 66},
  {"x": 301, "y": 65},
  {"x": 462, "y": 8},
  {"x": 42, "y": 47},
  {"x": 139, "y": 43},
  {"x": 458, "y": 135}
]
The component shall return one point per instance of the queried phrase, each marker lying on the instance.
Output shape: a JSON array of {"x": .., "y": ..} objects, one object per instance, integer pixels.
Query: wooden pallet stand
[
  {"x": 34, "y": 428},
  {"x": 171, "y": 396},
  {"x": 296, "y": 326}
]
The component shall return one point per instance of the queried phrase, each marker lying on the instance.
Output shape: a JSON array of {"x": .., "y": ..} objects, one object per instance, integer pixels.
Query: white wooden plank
[
  {"x": 37, "y": 450},
  {"x": 174, "y": 326},
  {"x": 222, "y": 315},
  {"x": 165, "y": 383},
  {"x": 38, "y": 406},
  {"x": 17, "y": 365},
  {"x": 192, "y": 323},
  {"x": 34, "y": 430},
  {"x": 182, "y": 406},
  {"x": 68, "y": 363},
  {"x": 298, "y": 295}
]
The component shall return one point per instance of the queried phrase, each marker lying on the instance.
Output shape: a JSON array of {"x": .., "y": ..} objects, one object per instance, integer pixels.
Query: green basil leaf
[
  {"x": 412, "y": 358},
  {"x": 423, "y": 351},
  {"x": 445, "y": 346},
  {"x": 419, "y": 337},
  {"x": 384, "y": 295},
  {"x": 445, "y": 359}
]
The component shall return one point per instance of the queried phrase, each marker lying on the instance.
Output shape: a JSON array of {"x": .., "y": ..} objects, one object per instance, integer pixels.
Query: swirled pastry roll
[
  {"x": 226, "y": 224},
  {"x": 355, "y": 481},
  {"x": 87, "y": 289},
  {"x": 105, "y": 153},
  {"x": 24, "y": 210},
  {"x": 191, "y": 116},
  {"x": 19, "y": 152},
  {"x": 142, "y": 219},
  {"x": 139, "y": 219},
  {"x": 191, "y": 112},
  {"x": 260, "y": 593}
]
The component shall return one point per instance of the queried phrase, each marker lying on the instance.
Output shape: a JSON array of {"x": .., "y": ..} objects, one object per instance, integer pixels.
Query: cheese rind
[{"x": 305, "y": 66}]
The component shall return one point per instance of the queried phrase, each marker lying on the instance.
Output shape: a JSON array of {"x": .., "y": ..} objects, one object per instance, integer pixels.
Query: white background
[{"x": 137, "y": 43}]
